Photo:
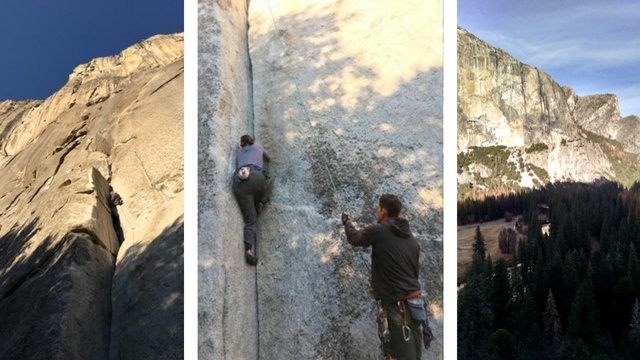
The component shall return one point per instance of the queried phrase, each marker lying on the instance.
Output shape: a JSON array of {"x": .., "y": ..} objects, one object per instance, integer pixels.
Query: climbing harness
[
  {"x": 411, "y": 310},
  {"x": 384, "y": 321},
  {"x": 387, "y": 319}
]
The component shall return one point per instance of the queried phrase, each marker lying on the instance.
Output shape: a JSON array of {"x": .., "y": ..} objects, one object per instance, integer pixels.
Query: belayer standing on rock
[
  {"x": 394, "y": 280},
  {"x": 252, "y": 189}
]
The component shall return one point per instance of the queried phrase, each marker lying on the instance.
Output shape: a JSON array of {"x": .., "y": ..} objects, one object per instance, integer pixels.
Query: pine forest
[{"x": 569, "y": 287}]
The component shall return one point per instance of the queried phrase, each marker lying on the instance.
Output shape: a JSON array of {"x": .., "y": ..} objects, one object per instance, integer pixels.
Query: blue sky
[
  {"x": 592, "y": 46},
  {"x": 42, "y": 41}
]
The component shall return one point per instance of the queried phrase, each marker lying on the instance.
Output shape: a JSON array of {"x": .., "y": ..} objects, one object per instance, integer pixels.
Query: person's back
[
  {"x": 251, "y": 155},
  {"x": 394, "y": 277},
  {"x": 395, "y": 260},
  {"x": 252, "y": 189}
]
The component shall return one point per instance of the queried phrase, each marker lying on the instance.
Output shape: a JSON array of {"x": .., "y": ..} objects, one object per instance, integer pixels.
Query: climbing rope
[{"x": 303, "y": 105}]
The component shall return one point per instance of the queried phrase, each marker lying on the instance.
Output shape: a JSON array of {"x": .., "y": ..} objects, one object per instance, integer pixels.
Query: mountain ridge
[{"x": 504, "y": 102}]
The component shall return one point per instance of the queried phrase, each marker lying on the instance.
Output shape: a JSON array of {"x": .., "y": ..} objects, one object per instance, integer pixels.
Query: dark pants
[
  {"x": 403, "y": 344},
  {"x": 255, "y": 189}
]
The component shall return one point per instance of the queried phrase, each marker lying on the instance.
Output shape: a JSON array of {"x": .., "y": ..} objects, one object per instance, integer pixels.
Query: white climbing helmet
[{"x": 243, "y": 172}]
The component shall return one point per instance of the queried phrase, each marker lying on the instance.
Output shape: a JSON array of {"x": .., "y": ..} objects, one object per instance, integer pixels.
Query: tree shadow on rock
[
  {"x": 15, "y": 267},
  {"x": 333, "y": 124},
  {"x": 148, "y": 299}
]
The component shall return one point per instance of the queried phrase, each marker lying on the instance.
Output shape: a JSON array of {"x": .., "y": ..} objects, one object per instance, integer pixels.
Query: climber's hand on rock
[{"x": 345, "y": 217}]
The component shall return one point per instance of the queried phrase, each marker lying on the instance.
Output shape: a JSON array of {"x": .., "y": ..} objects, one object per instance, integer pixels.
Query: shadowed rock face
[
  {"x": 342, "y": 89},
  {"x": 63, "y": 291},
  {"x": 503, "y": 102}
]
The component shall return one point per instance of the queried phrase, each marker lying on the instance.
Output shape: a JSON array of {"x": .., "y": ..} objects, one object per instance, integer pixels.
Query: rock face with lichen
[
  {"x": 347, "y": 99},
  {"x": 70, "y": 287},
  {"x": 530, "y": 129}
]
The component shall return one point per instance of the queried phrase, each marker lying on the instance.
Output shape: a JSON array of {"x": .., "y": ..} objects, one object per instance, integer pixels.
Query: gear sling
[{"x": 413, "y": 306}]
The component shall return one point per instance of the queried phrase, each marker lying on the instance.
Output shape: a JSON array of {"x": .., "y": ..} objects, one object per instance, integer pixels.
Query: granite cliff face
[
  {"x": 329, "y": 88},
  {"x": 505, "y": 102},
  {"x": 73, "y": 283},
  {"x": 600, "y": 115},
  {"x": 544, "y": 132}
]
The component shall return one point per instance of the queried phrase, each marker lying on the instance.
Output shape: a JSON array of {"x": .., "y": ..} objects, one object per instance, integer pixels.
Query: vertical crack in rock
[
  {"x": 56, "y": 210},
  {"x": 146, "y": 174},
  {"x": 251, "y": 130},
  {"x": 38, "y": 189},
  {"x": 168, "y": 81},
  {"x": 61, "y": 160},
  {"x": 56, "y": 290},
  {"x": 13, "y": 202},
  {"x": 257, "y": 300}
]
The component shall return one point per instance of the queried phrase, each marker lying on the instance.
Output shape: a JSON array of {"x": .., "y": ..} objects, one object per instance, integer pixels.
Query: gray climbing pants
[{"x": 255, "y": 189}]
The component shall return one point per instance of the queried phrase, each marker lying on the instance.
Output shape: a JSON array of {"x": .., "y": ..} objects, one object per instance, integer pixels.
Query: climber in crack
[
  {"x": 252, "y": 189},
  {"x": 402, "y": 319},
  {"x": 114, "y": 201}
]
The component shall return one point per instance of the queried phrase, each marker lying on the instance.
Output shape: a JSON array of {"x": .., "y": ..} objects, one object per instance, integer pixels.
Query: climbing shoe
[{"x": 251, "y": 260}]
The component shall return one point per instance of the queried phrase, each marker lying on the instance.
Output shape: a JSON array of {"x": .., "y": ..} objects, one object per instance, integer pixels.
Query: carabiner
[{"x": 406, "y": 332}]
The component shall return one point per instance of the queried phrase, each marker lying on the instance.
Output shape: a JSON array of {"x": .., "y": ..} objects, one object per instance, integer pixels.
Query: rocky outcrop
[
  {"x": 628, "y": 132},
  {"x": 600, "y": 115},
  {"x": 70, "y": 288},
  {"x": 349, "y": 110},
  {"x": 547, "y": 129}
]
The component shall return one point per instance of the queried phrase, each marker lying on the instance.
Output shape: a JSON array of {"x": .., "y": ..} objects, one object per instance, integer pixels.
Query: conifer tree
[
  {"x": 500, "y": 294},
  {"x": 531, "y": 347},
  {"x": 503, "y": 345},
  {"x": 624, "y": 295},
  {"x": 606, "y": 235},
  {"x": 583, "y": 322},
  {"x": 523, "y": 256},
  {"x": 570, "y": 281},
  {"x": 603, "y": 283},
  {"x": 479, "y": 246},
  {"x": 525, "y": 315},
  {"x": 633, "y": 268},
  {"x": 539, "y": 281},
  {"x": 590, "y": 288},
  {"x": 552, "y": 328},
  {"x": 634, "y": 326},
  {"x": 474, "y": 319}
]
